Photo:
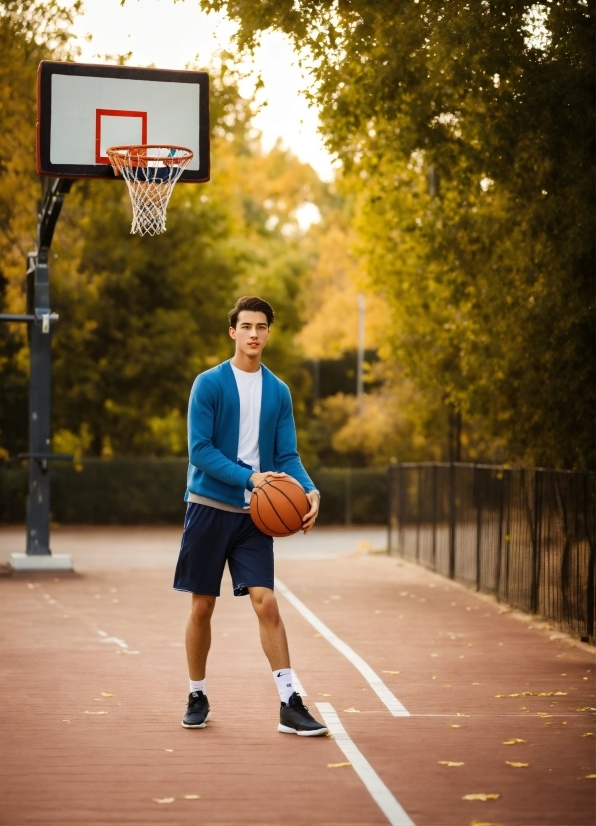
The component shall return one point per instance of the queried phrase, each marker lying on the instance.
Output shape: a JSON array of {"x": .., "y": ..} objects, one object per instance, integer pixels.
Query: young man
[{"x": 240, "y": 431}]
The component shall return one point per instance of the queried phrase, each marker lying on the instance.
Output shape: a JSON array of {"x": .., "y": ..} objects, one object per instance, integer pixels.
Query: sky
[{"x": 170, "y": 35}]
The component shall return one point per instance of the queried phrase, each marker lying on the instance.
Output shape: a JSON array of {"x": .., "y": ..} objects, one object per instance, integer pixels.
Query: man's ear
[{"x": 232, "y": 332}]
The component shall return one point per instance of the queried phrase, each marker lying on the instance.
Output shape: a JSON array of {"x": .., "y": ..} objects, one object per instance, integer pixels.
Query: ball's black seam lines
[
  {"x": 271, "y": 483},
  {"x": 264, "y": 523},
  {"x": 273, "y": 508},
  {"x": 279, "y": 490},
  {"x": 276, "y": 513},
  {"x": 273, "y": 533}
]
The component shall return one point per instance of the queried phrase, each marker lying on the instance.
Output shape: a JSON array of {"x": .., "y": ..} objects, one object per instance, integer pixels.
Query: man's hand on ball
[
  {"x": 310, "y": 518},
  {"x": 258, "y": 478}
]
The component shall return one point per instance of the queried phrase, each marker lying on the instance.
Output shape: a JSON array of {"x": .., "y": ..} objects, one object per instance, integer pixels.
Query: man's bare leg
[
  {"x": 271, "y": 627},
  {"x": 293, "y": 716},
  {"x": 198, "y": 634}
]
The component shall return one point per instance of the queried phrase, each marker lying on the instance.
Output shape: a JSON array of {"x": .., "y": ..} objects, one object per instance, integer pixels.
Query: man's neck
[{"x": 248, "y": 365}]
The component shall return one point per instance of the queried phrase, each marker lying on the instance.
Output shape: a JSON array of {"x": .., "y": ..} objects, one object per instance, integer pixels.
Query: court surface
[{"x": 94, "y": 686}]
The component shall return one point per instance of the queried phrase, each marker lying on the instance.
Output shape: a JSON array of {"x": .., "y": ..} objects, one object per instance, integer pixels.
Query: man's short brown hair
[{"x": 255, "y": 305}]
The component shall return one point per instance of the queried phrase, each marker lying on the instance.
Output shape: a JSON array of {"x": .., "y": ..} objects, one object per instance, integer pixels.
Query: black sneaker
[
  {"x": 295, "y": 719},
  {"x": 197, "y": 712}
]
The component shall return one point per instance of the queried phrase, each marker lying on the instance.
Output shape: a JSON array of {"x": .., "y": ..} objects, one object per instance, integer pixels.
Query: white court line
[
  {"x": 375, "y": 682},
  {"x": 379, "y": 792},
  {"x": 298, "y": 685}
]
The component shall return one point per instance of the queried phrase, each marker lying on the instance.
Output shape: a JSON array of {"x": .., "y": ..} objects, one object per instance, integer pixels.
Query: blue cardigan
[{"x": 213, "y": 430}]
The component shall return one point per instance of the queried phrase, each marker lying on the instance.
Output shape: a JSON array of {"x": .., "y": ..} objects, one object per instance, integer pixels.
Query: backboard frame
[{"x": 102, "y": 168}]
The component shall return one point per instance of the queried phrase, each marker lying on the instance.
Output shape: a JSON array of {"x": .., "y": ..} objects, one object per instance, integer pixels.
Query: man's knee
[
  {"x": 265, "y": 604},
  {"x": 201, "y": 608}
]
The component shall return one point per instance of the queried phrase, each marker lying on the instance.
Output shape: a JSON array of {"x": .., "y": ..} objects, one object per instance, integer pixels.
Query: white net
[{"x": 151, "y": 172}]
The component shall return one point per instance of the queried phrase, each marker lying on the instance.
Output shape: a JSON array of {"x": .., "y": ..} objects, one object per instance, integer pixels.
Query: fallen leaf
[
  {"x": 517, "y": 765},
  {"x": 390, "y": 672},
  {"x": 588, "y": 734},
  {"x": 104, "y": 694},
  {"x": 449, "y": 763},
  {"x": 590, "y": 777},
  {"x": 454, "y": 725},
  {"x": 584, "y": 708},
  {"x": 460, "y": 714},
  {"x": 192, "y": 796},
  {"x": 68, "y": 721},
  {"x": 337, "y": 765},
  {"x": 513, "y": 695},
  {"x": 170, "y": 750},
  {"x": 513, "y": 741},
  {"x": 544, "y": 714},
  {"x": 500, "y": 695},
  {"x": 551, "y": 694},
  {"x": 352, "y": 710},
  {"x": 163, "y": 799},
  {"x": 483, "y": 823},
  {"x": 95, "y": 712},
  {"x": 477, "y": 683},
  {"x": 481, "y": 796}
]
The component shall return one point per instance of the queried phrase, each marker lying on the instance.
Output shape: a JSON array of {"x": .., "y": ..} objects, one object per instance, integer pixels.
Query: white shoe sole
[
  {"x": 287, "y": 730},
  {"x": 200, "y": 725}
]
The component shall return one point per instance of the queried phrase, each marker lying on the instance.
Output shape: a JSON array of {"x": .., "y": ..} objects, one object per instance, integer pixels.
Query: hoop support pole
[{"x": 39, "y": 319}]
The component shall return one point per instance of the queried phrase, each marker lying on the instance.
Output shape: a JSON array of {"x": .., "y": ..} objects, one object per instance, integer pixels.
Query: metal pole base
[{"x": 41, "y": 562}]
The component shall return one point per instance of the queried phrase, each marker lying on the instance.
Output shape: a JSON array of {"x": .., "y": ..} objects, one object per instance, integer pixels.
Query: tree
[{"x": 491, "y": 276}]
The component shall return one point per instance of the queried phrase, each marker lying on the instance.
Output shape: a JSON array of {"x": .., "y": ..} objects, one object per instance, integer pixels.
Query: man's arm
[{"x": 201, "y": 425}]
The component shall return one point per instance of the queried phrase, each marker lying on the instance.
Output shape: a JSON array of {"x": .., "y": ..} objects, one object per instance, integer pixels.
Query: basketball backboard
[{"x": 85, "y": 108}]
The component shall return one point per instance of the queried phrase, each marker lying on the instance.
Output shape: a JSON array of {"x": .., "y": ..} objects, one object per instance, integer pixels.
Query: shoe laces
[{"x": 295, "y": 702}]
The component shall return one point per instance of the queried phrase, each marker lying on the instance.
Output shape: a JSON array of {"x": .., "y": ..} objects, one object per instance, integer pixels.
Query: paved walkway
[{"x": 94, "y": 687}]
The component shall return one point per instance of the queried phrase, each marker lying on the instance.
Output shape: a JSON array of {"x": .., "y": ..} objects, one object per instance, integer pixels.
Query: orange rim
[{"x": 123, "y": 154}]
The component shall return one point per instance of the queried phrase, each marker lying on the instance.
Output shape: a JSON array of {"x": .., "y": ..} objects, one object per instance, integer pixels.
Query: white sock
[
  {"x": 283, "y": 681},
  {"x": 197, "y": 685}
]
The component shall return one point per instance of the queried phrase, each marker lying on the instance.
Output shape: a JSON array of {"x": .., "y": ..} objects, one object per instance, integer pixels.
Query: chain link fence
[{"x": 526, "y": 536}]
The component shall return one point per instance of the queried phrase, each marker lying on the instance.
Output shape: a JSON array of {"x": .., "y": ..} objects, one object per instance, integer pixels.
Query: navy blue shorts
[{"x": 212, "y": 536}]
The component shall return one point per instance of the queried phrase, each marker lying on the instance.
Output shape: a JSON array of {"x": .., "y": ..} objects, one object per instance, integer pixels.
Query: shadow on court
[{"x": 497, "y": 728}]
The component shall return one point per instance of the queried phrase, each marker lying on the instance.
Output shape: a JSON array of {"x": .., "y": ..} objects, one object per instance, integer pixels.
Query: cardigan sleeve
[
  {"x": 202, "y": 410},
  {"x": 286, "y": 454}
]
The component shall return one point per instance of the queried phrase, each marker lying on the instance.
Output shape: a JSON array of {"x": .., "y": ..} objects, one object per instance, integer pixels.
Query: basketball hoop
[{"x": 151, "y": 171}]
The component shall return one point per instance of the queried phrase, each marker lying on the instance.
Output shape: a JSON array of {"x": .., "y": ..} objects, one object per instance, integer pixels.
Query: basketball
[{"x": 278, "y": 505}]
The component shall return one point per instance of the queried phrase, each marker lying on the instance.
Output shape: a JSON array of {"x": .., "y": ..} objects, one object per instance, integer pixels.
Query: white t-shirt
[{"x": 250, "y": 388}]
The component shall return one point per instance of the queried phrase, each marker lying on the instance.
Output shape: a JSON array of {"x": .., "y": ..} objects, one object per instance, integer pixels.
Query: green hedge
[{"x": 144, "y": 491}]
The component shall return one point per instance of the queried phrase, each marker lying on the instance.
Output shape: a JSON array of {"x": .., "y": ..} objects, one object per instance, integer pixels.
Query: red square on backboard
[{"x": 100, "y": 114}]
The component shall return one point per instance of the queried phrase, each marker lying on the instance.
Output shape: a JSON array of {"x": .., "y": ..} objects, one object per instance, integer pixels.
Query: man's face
[{"x": 251, "y": 333}]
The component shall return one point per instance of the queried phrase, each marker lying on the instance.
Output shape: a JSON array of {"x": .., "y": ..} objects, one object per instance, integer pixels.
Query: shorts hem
[
  {"x": 242, "y": 590},
  {"x": 199, "y": 593}
]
